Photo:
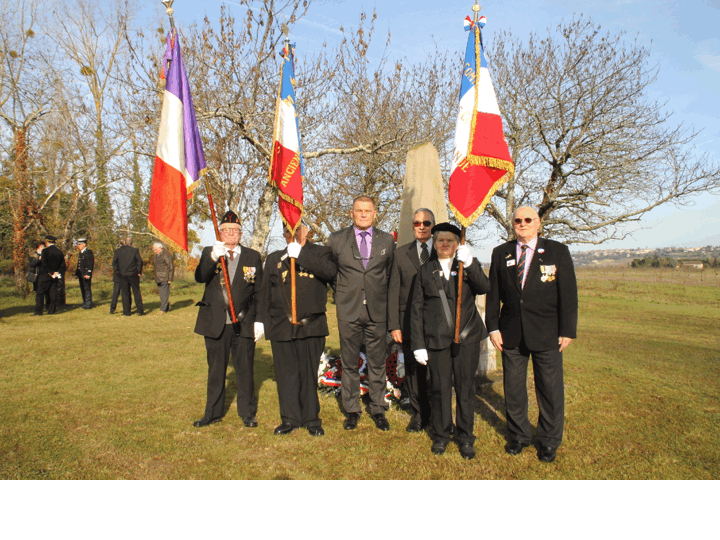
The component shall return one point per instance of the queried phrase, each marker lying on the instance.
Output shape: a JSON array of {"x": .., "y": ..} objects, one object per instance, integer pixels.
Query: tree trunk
[
  {"x": 262, "y": 224},
  {"x": 22, "y": 207}
]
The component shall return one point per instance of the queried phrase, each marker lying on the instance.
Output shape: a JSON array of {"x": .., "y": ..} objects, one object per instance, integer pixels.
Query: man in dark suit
[
  {"x": 532, "y": 311},
  {"x": 433, "y": 316},
  {"x": 116, "y": 286},
  {"x": 50, "y": 270},
  {"x": 364, "y": 256},
  {"x": 164, "y": 274},
  {"x": 127, "y": 264},
  {"x": 406, "y": 261},
  {"x": 297, "y": 351},
  {"x": 214, "y": 322},
  {"x": 85, "y": 265}
]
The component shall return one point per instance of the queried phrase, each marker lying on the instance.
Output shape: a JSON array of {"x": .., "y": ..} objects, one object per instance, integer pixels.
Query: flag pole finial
[
  {"x": 476, "y": 10},
  {"x": 169, "y": 10}
]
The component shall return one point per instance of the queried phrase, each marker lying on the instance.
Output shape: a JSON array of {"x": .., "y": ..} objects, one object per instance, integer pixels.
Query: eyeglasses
[
  {"x": 418, "y": 223},
  {"x": 230, "y": 231},
  {"x": 518, "y": 221}
]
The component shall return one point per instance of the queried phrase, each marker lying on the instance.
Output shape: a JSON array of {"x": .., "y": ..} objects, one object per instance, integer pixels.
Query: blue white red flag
[
  {"x": 179, "y": 157},
  {"x": 481, "y": 161},
  {"x": 286, "y": 164}
]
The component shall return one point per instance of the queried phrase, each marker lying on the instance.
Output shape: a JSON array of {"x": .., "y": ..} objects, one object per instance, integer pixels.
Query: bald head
[{"x": 526, "y": 224}]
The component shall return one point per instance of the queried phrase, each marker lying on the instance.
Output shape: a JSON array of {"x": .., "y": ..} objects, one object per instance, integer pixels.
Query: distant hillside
[{"x": 624, "y": 257}]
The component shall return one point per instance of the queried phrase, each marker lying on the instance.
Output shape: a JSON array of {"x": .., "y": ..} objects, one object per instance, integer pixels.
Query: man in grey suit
[
  {"x": 364, "y": 256},
  {"x": 406, "y": 262}
]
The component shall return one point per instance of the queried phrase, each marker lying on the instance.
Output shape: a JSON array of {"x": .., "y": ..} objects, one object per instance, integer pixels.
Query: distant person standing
[
  {"x": 532, "y": 312},
  {"x": 34, "y": 262},
  {"x": 128, "y": 264},
  {"x": 85, "y": 264},
  {"x": 116, "y": 287},
  {"x": 50, "y": 271},
  {"x": 164, "y": 272}
]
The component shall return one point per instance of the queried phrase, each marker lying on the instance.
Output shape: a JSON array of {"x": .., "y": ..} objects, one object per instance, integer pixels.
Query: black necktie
[
  {"x": 521, "y": 264},
  {"x": 424, "y": 255}
]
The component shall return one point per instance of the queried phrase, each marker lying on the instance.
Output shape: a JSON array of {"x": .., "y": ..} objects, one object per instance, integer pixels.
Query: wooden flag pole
[{"x": 459, "y": 292}]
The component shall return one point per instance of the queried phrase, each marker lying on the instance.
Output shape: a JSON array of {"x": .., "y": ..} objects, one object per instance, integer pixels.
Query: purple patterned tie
[{"x": 364, "y": 248}]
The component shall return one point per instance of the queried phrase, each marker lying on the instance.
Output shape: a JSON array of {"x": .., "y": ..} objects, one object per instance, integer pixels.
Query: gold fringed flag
[{"x": 481, "y": 162}]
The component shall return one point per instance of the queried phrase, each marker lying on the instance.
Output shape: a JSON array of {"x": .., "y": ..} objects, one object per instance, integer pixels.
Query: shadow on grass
[
  {"x": 30, "y": 308},
  {"x": 264, "y": 370},
  {"x": 490, "y": 405}
]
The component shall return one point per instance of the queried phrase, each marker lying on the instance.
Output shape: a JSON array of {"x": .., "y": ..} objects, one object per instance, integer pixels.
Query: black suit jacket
[
  {"x": 127, "y": 261},
  {"x": 245, "y": 289},
  {"x": 545, "y": 309},
  {"x": 406, "y": 264},
  {"x": 314, "y": 269},
  {"x": 353, "y": 282},
  {"x": 429, "y": 326},
  {"x": 85, "y": 264},
  {"x": 51, "y": 260}
]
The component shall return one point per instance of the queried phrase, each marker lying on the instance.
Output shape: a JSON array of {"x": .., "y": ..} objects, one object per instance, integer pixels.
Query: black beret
[
  {"x": 446, "y": 227},
  {"x": 230, "y": 217},
  {"x": 50, "y": 237}
]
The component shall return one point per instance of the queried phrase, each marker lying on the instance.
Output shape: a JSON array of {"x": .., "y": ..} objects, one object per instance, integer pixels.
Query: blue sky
[{"x": 683, "y": 39}]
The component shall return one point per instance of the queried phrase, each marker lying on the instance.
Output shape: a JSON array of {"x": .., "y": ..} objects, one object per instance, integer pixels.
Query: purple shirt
[{"x": 368, "y": 238}]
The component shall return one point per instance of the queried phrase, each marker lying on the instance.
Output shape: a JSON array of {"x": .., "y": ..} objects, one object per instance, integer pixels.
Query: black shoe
[
  {"x": 351, "y": 421},
  {"x": 438, "y": 447},
  {"x": 141, "y": 314},
  {"x": 514, "y": 447},
  {"x": 546, "y": 454},
  {"x": 250, "y": 421},
  {"x": 381, "y": 422},
  {"x": 206, "y": 421},
  {"x": 414, "y": 427},
  {"x": 467, "y": 451},
  {"x": 284, "y": 429},
  {"x": 112, "y": 312},
  {"x": 316, "y": 431}
]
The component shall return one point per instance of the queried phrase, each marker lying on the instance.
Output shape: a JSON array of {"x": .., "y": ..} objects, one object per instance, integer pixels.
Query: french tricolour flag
[
  {"x": 179, "y": 158},
  {"x": 286, "y": 164},
  {"x": 481, "y": 161}
]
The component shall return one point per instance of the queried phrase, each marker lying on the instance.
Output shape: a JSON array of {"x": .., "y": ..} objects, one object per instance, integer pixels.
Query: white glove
[
  {"x": 259, "y": 329},
  {"x": 218, "y": 250},
  {"x": 294, "y": 250},
  {"x": 421, "y": 356},
  {"x": 464, "y": 256}
]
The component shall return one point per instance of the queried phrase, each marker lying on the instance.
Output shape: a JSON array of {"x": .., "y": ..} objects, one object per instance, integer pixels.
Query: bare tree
[{"x": 593, "y": 151}]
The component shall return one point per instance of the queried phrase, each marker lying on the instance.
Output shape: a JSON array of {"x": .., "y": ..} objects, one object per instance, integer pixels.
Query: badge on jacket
[
  {"x": 548, "y": 272},
  {"x": 249, "y": 274}
]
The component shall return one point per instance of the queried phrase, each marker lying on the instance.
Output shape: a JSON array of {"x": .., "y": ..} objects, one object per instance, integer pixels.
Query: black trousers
[
  {"x": 447, "y": 373},
  {"x": 86, "y": 291},
  {"x": 47, "y": 293},
  {"x": 549, "y": 390},
  {"x": 296, "y": 372},
  {"x": 115, "y": 294},
  {"x": 126, "y": 282},
  {"x": 351, "y": 335},
  {"x": 219, "y": 350},
  {"x": 416, "y": 381}
]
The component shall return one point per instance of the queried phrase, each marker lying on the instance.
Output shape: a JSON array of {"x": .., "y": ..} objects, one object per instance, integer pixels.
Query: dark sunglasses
[
  {"x": 518, "y": 221},
  {"x": 418, "y": 223}
]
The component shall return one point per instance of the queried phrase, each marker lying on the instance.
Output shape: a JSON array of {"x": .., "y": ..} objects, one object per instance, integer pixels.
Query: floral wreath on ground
[{"x": 330, "y": 375}]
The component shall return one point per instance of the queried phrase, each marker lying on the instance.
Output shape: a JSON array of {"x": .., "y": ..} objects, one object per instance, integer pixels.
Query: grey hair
[
  {"x": 427, "y": 211},
  {"x": 158, "y": 245}
]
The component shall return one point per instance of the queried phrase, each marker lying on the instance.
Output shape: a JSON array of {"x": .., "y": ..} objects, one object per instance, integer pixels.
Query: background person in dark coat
[
  {"x": 116, "y": 287},
  {"x": 297, "y": 358},
  {"x": 34, "y": 262},
  {"x": 532, "y": 311},
  {"x": 214, "y": 321},
  {"x": 433, "y": 334},
  {"x": 406, "y": 262},
  {"x": 127, "y": 264},
  {"x": 364, "y": 256},
  {"x": 50, "y": 270},
  {"x": 85, "y": 265},
  {"x": 164, "y": 273}
]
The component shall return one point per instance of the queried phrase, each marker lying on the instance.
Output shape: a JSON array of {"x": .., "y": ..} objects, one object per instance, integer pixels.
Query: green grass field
[{"x": 89, "y": 395}]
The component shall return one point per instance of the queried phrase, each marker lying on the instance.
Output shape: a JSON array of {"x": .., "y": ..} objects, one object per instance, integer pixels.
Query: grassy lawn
[{"x": 89, "y": 395}]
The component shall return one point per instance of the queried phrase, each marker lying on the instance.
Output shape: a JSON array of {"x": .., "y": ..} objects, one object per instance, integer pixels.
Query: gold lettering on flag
[{"x": 291, "y": 168}]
